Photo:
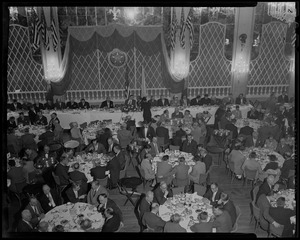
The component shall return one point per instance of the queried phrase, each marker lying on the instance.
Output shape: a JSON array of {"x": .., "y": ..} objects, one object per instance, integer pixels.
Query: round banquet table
[
  {"x": 35, "y": 130},
  {"x": 87, "y": 162},
  {"x": 188, "y": 206},
  {"x": 262, "y": 156},
  {"x": 173, "y": 158},
  {"x": 289, "y": 195},
  {"x": 68, "y": 215}
]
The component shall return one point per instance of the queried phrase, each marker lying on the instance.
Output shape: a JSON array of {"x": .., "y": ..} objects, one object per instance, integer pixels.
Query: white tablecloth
[
  {"x": 289, "y": 195},
  {"x": 67, "y": 216},
  {"x": 189, "y": 212},
  {"x": 35, "y": 130}
]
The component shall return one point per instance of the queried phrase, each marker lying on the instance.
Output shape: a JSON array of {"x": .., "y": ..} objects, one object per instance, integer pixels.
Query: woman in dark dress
[{"x": 145, "y": 107}]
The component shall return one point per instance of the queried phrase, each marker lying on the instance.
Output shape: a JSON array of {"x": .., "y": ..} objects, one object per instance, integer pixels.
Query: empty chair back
[
  {"x": 277, "y": 231},
  {"x": 256, "y": 211},
  {"x": 178, "y": 190},
  {"x": 199, "y": 189}
]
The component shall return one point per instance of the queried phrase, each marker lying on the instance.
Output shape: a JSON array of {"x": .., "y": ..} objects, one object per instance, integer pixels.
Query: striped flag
[
  {"x": 54, "y": 34},
  {"x": 293, "y": 39},
  {"x": 182, "y": 30},
  {"x": 173, "y": 30},
  {"x": 36, "y": 25},
  {"x": 191, "y": 28},
  {"x": 45, "y": 33},
  {"x": 126, "y": 88}
]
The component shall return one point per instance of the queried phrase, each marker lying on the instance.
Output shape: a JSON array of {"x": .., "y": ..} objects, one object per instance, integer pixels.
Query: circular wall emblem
[{"x": 117, "y": 58}]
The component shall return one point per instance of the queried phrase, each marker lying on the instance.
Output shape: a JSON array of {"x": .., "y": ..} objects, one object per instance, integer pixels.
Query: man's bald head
[{"x": 26, "y": 215}]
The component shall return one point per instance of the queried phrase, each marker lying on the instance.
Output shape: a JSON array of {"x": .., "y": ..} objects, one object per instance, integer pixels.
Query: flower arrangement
[{"x": 129, "y": 108}]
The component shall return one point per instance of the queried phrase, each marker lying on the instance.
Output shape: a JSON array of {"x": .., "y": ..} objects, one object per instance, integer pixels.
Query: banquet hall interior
[{"x": 150, "y": 119}]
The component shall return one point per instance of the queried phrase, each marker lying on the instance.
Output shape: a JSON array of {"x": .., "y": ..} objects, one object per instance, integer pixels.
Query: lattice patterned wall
[
  {"x": 210, "y": 68},
  {"x": 270, "y": 70},
  {"x": 23, "y": 73}
]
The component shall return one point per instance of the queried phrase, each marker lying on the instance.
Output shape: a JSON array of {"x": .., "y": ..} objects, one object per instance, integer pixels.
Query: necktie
[
  {"x": 94, "y": 193},
  {"x": 51, "y": 200},
  {"x": 76, "y": 194},
  {"x": 129, "y": 102},
  {"x": 156, "y": 149},
  {"x": 36, "y": 210},
  {"x": 146, "y": 132}
]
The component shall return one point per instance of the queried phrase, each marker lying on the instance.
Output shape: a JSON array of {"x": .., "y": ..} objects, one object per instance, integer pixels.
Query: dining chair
[
  {"x": 256, "y": 214},
  {"x": 249, "y": 175},
  {"x": 178, "y": 190},
  {"x": 59, "y": 188},
  {"x": 199, "y": 189},
  {"x": 275, "y": 231},
  {"x": 127, "y": 193},
  {"x": 238, "y": 213},
  {"x": 254, "y": 193},
  {"x": 173, "y": 147},
  {"x": 138, "y": 213},
  {"x": 103, "y": 181}
]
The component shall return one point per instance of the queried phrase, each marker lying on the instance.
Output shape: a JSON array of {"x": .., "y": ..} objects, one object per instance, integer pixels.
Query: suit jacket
[
  {"x": 16, "y": 176},
  {"x": 288, "y": 165},
  {"x": 121, "y": 159},
  {"x": 195, "y": 102},
  {"x": 173, "y": 227},
  {"x": 161, "y": 104},
  {"x": 92, "y": 198},
  {"x": 72, "y": 197},
  {"x": 189, "y": 148},
  {"x": 152, "y": 102},
  {"x": 62, "y": 172},
  {"x": 204, "y": 101},
  {"x": 77, "y": 176},
  {"x": 13, "y": 140},
  {"x": 108, "y": 150},
  {"x": 271, "y": 165},
  {"x": 147, "y": 167},
  {"x": 84, "y": 105},
  {"x": 209, "y": 195},
  {"x": 60, "y": 105},
  {"x": 239, "y": 100},
  {"x": 51, "y": 122},
  {"x": 282, "y": 216},
  {"x": 252, "y": 115},
  {"x": 263, "y": 189},
  {"x": 159, "y": 196},
  {"x": 178, "y": 136},
  {"x": 246, "y": 131},
  {"x": 283, "y": 99},
  {"x": 163, "y": 132},
  {"x": 106, "y": 104},
  {"x": 24, "y": 121},
  {"x": 32, "y": 116},
  {"x": 181, "y": 175},
  {"x": 46, "y": 137},
  {"x": 281, "y": 149},
  {"x": 133, "y": 102},
  {"x": 150, "y": 133},
  {"x": 114, "y": 167},
  {"x": 202, "y": 227},
  {"x": 153, "y": 152},
  {"x": 38, "y": 107},
  {"x": 144, "y": 207},
  {"x": 223, "y": 222},
  {"x": 124, "y": 137},
  {"x": 231, "y": 127},
  {"x": 98, "y": 172},
  {"x": 11, "y": 125},
  {"x": 41, "y": 121},
  {"x": 34, "y": 221},
  {"x": 177, "y": 115},
  {"x": 264, "y": 205},
  {"x": 27, "y": 141},
  {"x": 153, "y": 221},
  {"x": 112, "y": 224},
  {"x": 24, "y": 227},
  {"x": 230, "y": 208},
  {"x": 44, "y": 200},
  {"x": 49, "y": 106},
  {"x": 114, "y": 206},
  {"x": 164, "y": 169},
  {"x": 237, "y": 159},
  {"x": 73, "y": 105},
  {"x": 198, "y": 168},
  {"x": 13, "y": 108},
  {"x": 101, "y": 148}
]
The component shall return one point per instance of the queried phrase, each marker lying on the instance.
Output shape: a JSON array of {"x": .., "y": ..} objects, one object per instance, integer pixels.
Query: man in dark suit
[
  {"x": 11, "y": 123},
  {"x": 266, "y": 187},
  {"x": 228, "y": 206},
  {"x": 105, "y": 203},
  {"x": 163, "y": 132},
  {"x": 179, "y": 134},
  {"x": 228, "y": 100},
  {"x": 104, "y": 136},
  {"x": 218, "y": 115},
  {"x": 107, "y": 103},
  {"x": 155, "y": 147},
  {"x": 114, "y": 167},
  {"x": 222, "y": 221},
  {"x": 46, "y": 137},
  {"x": 205, "y": 100},
  {"x": 38, "y": 106},
  {"x": 152, "y": 101},
  {"x": 15, "y": 105},
  {"x": 96, "y": 190},
  {"x": 231, "y": 127},
  {"x": 49, "y": 105},
  {"x": 59, "y": 105},
  {"x": 83, "y": 104},
  {"x": 189, "y": 145},
  {"x": 146, "y": 132},
  {"x": 112, "y": 221},
  {"x": 252, "y": 114},
  {"x": 40, "y": 119},
  {"x": 196, "y": 101},
  {"x": 206, "y": 158},
  {"x": 79, "y": 177},
  {"x": 49, "y": 199},
  {"x": 283, "y": 98},
  {"x": 145, "y": 205},
  {"x": 246, "y": 130},
  {"x": 213, "y": 194},
  {"x": 152, "y": 220},
  {"x": 203, "y": 225},
  {"x": 32, "y": 114},
  {"x": 120, "y": 156},
  {"x": 161, "y": 193},
  {"x": 282, "y": 216},
  {"x": 131, "y": 102},
  {"x": 36, "y": 210},
  {"x": 26, "y": 105},
  {"x": 163, "y": 102},
  {"x": 24, "y": 224},
  {"x": 27, "y": 140},
  {"x": 98, "y": 172},
  {"x": 75, "y": 194},
  {"x": 241, "y": 99},
  {"x": 289, "y": 164},
  {"x": 53, "y": 118},
  {"x": 22, "y": 119},
  {"x": 61, "y": 170},
  {"x": 110, "y": 145},
  {"x": 72, "y": 104}
]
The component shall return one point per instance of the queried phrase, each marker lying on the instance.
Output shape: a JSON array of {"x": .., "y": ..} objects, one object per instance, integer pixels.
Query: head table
[
  {"x": 262, "y": 156},
  {"x": 116, "y": 115},
  {"x": 173, "y": 158},
  {"x": 70, "y": 215},
  {"x": 188, "y": 206}
]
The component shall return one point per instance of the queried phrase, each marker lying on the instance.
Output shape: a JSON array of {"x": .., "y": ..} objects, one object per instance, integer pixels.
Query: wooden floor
[{"x": 239, "y": 194}]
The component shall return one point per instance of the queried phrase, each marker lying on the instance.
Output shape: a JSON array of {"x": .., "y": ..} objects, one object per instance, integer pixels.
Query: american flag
[
  {"x": 173, "y": 30},
  {"x": 45, "y": 34},
  {"x": 191, "y": 28},
  {"x": 54, "y": 34},
  {"x": 182, "y": 30},
  {"x": 36, "y": 25}
]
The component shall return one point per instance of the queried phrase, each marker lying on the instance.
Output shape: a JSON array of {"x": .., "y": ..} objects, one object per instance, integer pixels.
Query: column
[{"x": 243, "y": 37}]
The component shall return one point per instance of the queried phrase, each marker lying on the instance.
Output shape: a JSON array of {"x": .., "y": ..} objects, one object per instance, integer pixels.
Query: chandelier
[{"x": 284, "y": 11}]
